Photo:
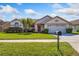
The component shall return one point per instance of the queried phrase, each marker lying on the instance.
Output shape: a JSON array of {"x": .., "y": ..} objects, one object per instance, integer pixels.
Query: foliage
[
  {"x": 28, "y": 23},
  {"x": 69, "y": 30},
  {"x": 77, "y": 30},
  {"x": 45, "y": 31}
]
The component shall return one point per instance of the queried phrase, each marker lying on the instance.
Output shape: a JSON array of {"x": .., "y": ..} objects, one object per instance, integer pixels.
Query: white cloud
[
  {"x": 30, "y": 12},
  {"x": 73, "y": 9},
  {"x": 74, "y": 5},
  {"x": 69, "y": 11},
  {"x": 8, "y": 9},
  {"x": 53, "y": 15},
  {"x": 56, "y": 6}
]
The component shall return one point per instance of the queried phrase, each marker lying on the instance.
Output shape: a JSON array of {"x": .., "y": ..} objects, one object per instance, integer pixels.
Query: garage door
[{"x": 53, "y": 29}]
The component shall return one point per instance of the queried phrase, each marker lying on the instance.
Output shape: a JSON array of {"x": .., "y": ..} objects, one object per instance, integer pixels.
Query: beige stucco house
[{"x": 53, "y": 24}]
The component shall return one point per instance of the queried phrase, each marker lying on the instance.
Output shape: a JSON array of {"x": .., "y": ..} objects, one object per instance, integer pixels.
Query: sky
[{"x": 10, "y": 11}]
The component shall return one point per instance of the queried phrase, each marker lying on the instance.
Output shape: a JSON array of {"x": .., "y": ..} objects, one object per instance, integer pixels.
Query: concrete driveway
[{"x": 73, "y": 40}]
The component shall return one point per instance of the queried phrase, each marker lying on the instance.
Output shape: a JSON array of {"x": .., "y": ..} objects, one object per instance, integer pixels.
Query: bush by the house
[
  {"x": 45, "y": 31},
  {"x": 31, "y": 30},
  {"x": 78, "y": 30},
  {"x": 69, "y": 30},
  {"x": 13, "y": 30}
]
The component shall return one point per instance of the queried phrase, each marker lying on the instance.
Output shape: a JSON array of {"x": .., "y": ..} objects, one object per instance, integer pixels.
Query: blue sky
[{"x": 9, "y": 11}]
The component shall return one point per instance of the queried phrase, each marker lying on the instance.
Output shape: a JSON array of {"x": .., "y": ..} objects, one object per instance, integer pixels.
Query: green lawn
[
  {"x": 26, "y": 36},
  {"x": 75, "y": 33},
  {"x": 36, "y": 49}
]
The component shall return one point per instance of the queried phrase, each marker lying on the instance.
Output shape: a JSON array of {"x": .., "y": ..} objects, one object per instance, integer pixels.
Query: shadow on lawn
[{"x": 24, "y": 33}]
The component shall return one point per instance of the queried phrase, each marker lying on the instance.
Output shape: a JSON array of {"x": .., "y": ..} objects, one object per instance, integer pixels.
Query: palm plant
[
  {"x": 27, "y": 23},
  {"x": 30, "y": 23},
  {"x": 24, "y": 22}
]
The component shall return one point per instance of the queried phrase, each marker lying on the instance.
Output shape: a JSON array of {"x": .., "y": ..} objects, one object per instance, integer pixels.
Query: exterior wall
[
  {"x": 0, "y": 28},
  {"x": 14, "y": 25},
  {"x": 5, "y": 26},
  {"x": 75, "y": 28},
  {"x": 45, "y": 26},
  {"x": 57, "y": 21},
  {"x": 36, "y": 29}
]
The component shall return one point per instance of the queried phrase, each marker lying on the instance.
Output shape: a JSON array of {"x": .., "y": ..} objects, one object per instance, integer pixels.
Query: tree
[
  {"x": 24, "y": 22},
  {"x": 27, "y": 23},
  {"x": 30, "y": 22}
]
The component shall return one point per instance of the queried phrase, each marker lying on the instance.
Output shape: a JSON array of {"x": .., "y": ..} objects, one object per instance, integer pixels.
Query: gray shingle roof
[
  {"x": 44, "y": 19},
  {"x": 75, "y": 22},
  {"x": 49, "y": 18}
]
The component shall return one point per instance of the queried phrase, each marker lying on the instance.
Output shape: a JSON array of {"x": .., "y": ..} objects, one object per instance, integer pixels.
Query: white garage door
[{"x": 53, "y": 28}]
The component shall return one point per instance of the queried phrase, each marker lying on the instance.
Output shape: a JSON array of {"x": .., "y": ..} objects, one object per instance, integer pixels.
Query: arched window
[{"x": 16, "y": 24}]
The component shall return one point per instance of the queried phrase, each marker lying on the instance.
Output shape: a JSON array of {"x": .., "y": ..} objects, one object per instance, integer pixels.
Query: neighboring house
[
  {"x": 53, "y": 24},
  {"x": 1, "y": 23},
  {"x": 4, "y": 25},
  {"x": 75, "y": 25},
  {"x": 16, "y": 23}
]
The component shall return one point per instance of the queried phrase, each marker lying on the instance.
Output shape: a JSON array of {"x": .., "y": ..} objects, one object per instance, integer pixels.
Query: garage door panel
[{"x": 53, "y": 29}]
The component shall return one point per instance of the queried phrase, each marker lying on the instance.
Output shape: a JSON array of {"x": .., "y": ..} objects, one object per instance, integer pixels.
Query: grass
[
  {"x": 4, "y": 36},
  {"x": 36, "y": 49},
  {"x": 75, "y": 33}
]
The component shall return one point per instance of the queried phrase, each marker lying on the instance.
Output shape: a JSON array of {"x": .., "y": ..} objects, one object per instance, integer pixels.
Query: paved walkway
[
  {"x": 30, "y": 40},
  {"x": 73, "y": 40}
]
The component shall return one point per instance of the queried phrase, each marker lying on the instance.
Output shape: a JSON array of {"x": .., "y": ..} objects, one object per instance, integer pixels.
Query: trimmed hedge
[
  {"x": 69, "y": 30},
  {"x": 77, "y": 30},
  {"x": 45, "y": 31},
  {"x": 13, "y": 30}
]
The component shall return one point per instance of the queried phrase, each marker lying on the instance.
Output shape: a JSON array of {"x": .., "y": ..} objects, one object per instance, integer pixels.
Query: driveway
[{"x": 73, "y": 40}]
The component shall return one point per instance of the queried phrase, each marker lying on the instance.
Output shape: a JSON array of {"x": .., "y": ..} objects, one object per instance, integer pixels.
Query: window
[{"x": 16, "y": 24}]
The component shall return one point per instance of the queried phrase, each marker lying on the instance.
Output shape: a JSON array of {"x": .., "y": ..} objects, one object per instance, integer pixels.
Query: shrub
[
  {"x": 45, "y": 31},
  {"x": 69, "y": 30},
  {"x": 31, "y": 30},
  {"x": 13, "y": 30},
  {"x": 77, "y": 30}
]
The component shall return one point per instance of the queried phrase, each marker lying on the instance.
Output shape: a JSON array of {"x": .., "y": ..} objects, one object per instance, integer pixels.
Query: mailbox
[{"x": 58, "y": 32}]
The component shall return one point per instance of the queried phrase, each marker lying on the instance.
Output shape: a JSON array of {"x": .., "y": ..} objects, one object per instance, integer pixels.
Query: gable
[
  {"x": 16, "y": 21},
  {"x": 58, "y": 20}
]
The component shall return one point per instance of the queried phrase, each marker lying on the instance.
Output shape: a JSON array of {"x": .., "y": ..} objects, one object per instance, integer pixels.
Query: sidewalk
[{"x": 30, "y": 40}]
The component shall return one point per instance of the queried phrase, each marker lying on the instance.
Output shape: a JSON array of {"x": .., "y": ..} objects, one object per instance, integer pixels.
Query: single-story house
[
  {"x": 53, "y": 24},
  {"x": 75, "y": 25}
]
